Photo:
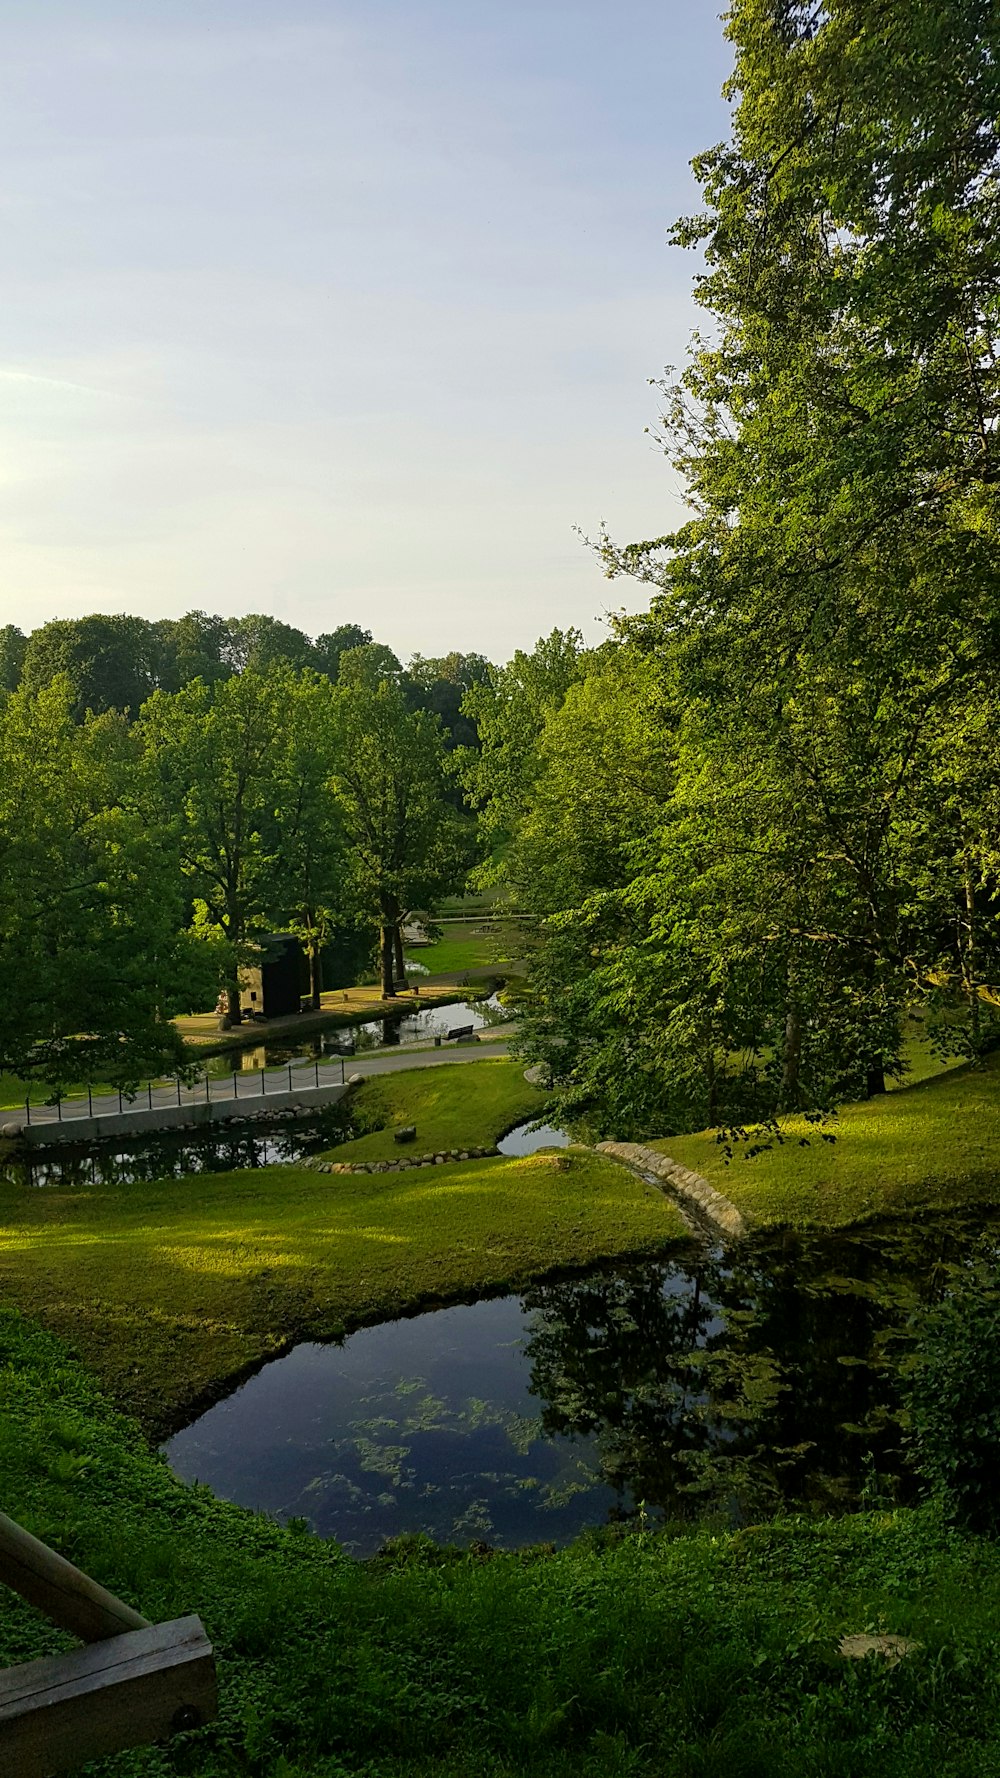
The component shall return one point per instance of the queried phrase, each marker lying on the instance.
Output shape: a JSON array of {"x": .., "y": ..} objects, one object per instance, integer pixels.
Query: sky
[{"x": 343, "y": 311}]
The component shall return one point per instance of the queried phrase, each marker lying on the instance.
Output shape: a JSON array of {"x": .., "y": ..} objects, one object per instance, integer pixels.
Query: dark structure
[{"x": 273, "y": 988}]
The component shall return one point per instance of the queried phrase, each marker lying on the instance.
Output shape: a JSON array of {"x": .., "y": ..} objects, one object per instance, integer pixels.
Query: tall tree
[
  {"x": 216, "y": 759},
  {"x": 112, "y": 663},
  {"x": 407, "y": 845},
  {"x": 13, "y": 647},
  {"x": 90, "y": 898}
]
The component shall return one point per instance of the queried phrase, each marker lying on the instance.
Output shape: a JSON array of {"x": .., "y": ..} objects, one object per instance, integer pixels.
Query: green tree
[
  {"x": 407, "y": 845},
  {"x": 216, "y": 763},
  {"x": 509, "y": 709},
  {"x": 257, "y": 643},
  {"x": 112, "y": 663},
  {"x": 90, "y": 898},
  {"x": 13, "y": 647}
]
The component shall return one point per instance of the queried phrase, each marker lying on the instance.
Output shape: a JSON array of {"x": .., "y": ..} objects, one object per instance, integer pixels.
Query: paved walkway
[{"x": 247, "y": 1091}]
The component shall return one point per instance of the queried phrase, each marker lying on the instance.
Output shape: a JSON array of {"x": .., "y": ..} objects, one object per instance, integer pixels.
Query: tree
[
  {"x": 257, "y": 643},
  {"x": 827, "y": 621},
  {"x": 312, "y": 869},
  {"x": 192, "y": 647},
  {"x": 407, "y": 845},
  {"x": 509, "y": 710},
  {"x": 441, "y": 685},
  {"x": 90, "y": 898},
  {"x": 13, "y": 646},
  {"x": 112, "y": 663},
  {"x": 333, "y": 643},
  {"x": 216, "y": 766}
]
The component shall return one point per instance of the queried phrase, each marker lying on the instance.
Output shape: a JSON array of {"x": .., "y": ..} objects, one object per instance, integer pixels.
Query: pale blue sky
[{"x": 341, "y": 311}]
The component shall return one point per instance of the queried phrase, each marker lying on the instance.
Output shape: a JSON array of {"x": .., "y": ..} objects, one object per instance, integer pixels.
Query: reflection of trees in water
[
  {"x": 740, "y": 1382},
  {"x": 172, "y": 1156}
]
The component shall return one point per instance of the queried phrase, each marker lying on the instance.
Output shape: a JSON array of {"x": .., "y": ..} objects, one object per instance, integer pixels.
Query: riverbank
[
  {"x": 448, "y": 1108},
  {"x": 931, "y": 1146},
  {"x": 172, "y": 1291},
  {"x": 621, "y": 1656}
]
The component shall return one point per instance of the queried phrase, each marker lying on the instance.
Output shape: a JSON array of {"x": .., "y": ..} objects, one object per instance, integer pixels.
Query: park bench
[{"x": 135, "y": 1683}]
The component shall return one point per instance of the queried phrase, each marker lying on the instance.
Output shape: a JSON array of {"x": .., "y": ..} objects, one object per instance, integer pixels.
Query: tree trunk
[
  {"x": 315, "y": 976},
  {"x": 234, "y": 1012},
  {"x": 397, "y": 940},
  {"x": 875, "y": 1078},
  {"x": 969, "y": 964},
  {"x": 789, "y": 1097},
  {"x": 385, "y": 956}
]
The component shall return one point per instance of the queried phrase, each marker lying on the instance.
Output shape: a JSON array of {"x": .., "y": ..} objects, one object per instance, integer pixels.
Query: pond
[
  {"x": 403, "y": 1030},
  {"x": 724, "y": 1383},
  {"x": 172, "y": 1154}
]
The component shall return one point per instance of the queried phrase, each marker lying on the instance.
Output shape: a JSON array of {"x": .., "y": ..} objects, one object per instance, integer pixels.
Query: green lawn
[
  {"x": 465, "y": 1105},
  {"x": 464, "y": 945},
  {"x": 930, "y": 1146},
  {"x": 636, "y": 1656},
  {"x": 169, "y": 1290}
]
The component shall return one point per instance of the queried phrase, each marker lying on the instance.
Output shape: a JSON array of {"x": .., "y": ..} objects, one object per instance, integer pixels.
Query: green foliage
[
  {"x": 406, "y": 844},
  {"x": 953, "y": 1397},
  {"x": 818, "y": 849},
  {"x": 625, "y": 1655},
  {"x": 90, "y": 900}
]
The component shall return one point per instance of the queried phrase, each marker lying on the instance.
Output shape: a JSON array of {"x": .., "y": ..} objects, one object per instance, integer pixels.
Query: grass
[
  {"x": 467, "y": 1105},
  {"x": 465, "y": 945},
  {"x": 627, "y": 1655},
  {"x": 170, "y": 1291},
  {"x": 933, "y": 1145}
]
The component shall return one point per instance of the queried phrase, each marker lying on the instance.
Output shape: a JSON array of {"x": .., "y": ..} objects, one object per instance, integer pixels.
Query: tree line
[
  {"x": 759, "y": 826},
  {"x": 147, "y": 848}
]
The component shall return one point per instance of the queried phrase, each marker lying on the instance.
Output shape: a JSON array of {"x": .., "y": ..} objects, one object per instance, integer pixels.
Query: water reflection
[
  {"x": 732, "y": 1383},
  {"x": 172, "y": 1155},
  {"x": 419, "y": 1026},
  {"x": 528, "y": 1139}
]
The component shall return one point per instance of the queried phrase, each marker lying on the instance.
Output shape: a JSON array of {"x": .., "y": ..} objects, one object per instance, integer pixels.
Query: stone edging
[
  {"x": 400, "y": 1166},
  {"x": 692, "y": 1186}
]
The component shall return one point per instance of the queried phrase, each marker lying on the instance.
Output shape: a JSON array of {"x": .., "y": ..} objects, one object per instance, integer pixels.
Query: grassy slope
[
  {"x": 645, "y": 1655},
  {"x": 929, "y": 1146},
  {"x": 168, "y": 1290},
  {"x": 467, "y": 1105}
]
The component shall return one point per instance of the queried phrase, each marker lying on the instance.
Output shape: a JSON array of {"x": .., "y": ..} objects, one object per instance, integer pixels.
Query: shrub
[{"x": 954, "y": 1405}]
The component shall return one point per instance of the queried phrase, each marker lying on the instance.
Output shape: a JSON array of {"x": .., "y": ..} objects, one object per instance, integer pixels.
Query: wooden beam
[
  {"x": 70, "y": 1599},
  {"x": 124, "y": 1691}
]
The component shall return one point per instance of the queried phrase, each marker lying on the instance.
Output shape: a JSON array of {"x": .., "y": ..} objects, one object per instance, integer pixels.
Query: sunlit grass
[
  {"x": 464, "y": 1105},
  {"x": 169, "y": 1289},
  {"x": 932, "y": 1145}
]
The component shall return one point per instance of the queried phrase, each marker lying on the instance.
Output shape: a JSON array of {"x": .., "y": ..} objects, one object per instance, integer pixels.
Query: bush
[{"x": 954, "y": 1405}]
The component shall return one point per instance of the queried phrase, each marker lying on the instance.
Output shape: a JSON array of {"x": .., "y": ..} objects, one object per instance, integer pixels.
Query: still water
[
  {"x": 418, "y": 1027},
  {"x": 729, "y": 1383}
]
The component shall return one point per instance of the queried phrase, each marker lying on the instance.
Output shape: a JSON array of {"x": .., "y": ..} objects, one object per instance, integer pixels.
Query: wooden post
[
  {"x": 70, "y": 1599},
  {"x": 138, "y": 1682},
  {"x": 125, "y": 1691}
]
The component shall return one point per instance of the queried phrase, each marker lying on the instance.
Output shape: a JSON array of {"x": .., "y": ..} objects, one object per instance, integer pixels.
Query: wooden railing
[{"x": 137, "y": 1682}]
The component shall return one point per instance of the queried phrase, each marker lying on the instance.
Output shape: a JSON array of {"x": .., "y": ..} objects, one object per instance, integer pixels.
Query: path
[{"x": 245, "y": 1094}]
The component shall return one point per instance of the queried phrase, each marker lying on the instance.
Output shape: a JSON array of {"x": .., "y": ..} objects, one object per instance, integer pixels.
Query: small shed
[{"x": 272, "y": 987}]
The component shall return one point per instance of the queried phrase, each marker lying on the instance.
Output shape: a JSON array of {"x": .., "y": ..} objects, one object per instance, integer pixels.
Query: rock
[
  {"x": 354, "y": 1080},
  {"x": 891, "y": 1648},
  {"x": 406, "y": 1134},
  {"x": 12, "y": 1130}
]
